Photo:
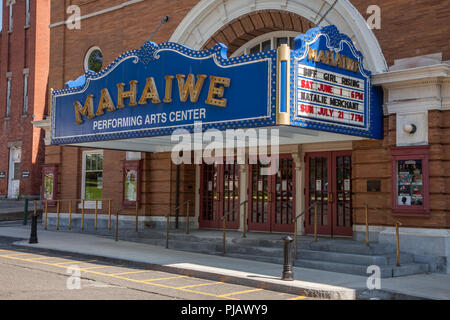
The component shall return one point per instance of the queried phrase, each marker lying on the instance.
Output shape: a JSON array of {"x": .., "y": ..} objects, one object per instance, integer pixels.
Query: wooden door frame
[
  {"x": 269, "y": 225},
  {"x": 217, "y": 223},
  {"x": 340, "y": 231},
  {"x": 309, "y": 225}
]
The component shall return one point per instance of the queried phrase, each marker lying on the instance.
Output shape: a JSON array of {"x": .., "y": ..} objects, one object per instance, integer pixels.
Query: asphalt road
[{"x": 39, "y": 275}]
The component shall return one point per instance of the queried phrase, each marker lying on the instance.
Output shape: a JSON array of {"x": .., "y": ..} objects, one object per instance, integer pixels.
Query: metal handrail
[
  {"x": 58, "y": 211},
  {"x": 294, "y": 220},
  {"x": 167, "y": 215},
  {"x": 397, "y": 225},
  {"x": 224, "y": 223}
]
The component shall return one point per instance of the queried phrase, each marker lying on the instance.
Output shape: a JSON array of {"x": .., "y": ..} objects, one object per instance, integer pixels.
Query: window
[
  {"x": 93, "y": 60},
  {"x": 267, "y": 42},
  {"x": 92, "y": 184},
  {"x": 410, "y": 181},
  {"x": 25, "y": 92},
  {"x": 27, "y": 13},
  {"x": 8, "y": 97}
]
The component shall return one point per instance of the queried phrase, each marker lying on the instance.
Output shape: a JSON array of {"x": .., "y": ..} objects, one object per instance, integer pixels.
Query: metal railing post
[
  {"x": 109, "y": 214},
  {"x": 70, "y": 215},
  {"x": 33, "y": 235},
  {"x": 315, "y": 222},
  {"x": 46, "y": 214},
  {"x": 295, "y": 239},
  {"x": 96, "y": 212},
  {"x": 187, "y": 218},
  {"x": 244, "y": 233},
  {"x": 224, "y": 225},
  {"x": 167, "y": 230},
  {"x": 366, "y": 209},
  {"x": 137, "y": 216},
  {"x": 57, "y": 214},
  {"x": 82, "y": 215},
  {"x": 116, "y": 236},
  {"x": 25, "y": 212},
  {"x": 398, "y": 243}
]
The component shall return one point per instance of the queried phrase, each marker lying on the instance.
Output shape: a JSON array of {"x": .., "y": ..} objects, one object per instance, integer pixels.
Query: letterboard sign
[{"x": 332, "y": 90}]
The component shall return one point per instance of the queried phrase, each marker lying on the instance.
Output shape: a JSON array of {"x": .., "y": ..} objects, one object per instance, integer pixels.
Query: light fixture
[{"x": 410, "y": 128}]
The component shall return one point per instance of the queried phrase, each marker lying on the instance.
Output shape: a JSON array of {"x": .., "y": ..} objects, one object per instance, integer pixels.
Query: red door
[
  {"x": 219, "y": 195},
  {"x": 272, "y": 198},
  {"x": 328, "y": 182}
]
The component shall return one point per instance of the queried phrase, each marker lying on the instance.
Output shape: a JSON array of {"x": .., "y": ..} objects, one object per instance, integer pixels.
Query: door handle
[{"x": 330, "y": 197}]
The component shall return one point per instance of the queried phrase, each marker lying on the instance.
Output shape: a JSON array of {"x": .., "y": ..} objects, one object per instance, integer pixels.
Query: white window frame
[
  {"x": 27, "y": 13},
  {"x": 88, "y": 54},
  {"x": 8, "y": 95},
  {"x": 272, "y": 36},
  {"x": 25, "y": 90},
  {"x": 88, "y": 204}
]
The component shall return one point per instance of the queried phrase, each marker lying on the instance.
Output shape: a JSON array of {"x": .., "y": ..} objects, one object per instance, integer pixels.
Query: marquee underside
[{"x": 287, "y": 136}]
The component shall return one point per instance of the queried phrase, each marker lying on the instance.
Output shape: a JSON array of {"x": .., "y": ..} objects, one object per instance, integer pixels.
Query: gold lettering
[
  {"x": 217, "y": 91},
  {"x": 150, "y": 92},
  {"x": 105, "y": 103},
  {"x": 325, "y": 57},
  {"x": 168, "y": 96},
  {"x": 121, "y": 95},
  {"x": 190, "y": 87},
  {"x": 312, "y": 55},
  {"x": 87, "y": 109}
]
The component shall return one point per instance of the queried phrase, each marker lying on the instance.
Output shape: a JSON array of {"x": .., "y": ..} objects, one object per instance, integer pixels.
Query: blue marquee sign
[
  {"x": 330, "y": 89},
  {"x": 159, "y": 88},
  {"x": 320, "y": 85}
]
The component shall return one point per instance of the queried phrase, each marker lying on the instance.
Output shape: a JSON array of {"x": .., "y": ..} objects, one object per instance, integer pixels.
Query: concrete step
[
  {"x": 352, "y": 258},
  {"x": 387, "y": 271}
]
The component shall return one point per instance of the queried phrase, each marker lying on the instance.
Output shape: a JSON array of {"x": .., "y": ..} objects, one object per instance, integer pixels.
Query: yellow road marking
[
  {"x": 201, "y": 285},
  {"x": 99, "y": 267},
  {"x": 45, "y": 258},
  {"x": 161, "y": 285},
  {"x": 132, "y": 280},
  {"x": 131, "y": 272},
  {"x": 297, "y": 298},
  {"x": 78, "y": 261},
  {"x": 19, "y": 254},
  {"x": 240, "y": 292},
  {"x": 166, "y": 278}
]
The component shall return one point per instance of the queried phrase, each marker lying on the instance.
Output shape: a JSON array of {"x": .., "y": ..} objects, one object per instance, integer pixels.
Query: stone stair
[{"x": 334, "y": 255}]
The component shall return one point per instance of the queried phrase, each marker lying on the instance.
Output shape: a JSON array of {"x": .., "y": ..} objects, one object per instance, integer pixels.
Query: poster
[
  {"x": 131, "y": 185},
  {"x": 409, "y": 183},
  {"x": 48, "y": 186}
]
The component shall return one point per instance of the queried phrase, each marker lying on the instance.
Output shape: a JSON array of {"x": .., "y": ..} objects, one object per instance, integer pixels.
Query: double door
[
  {"x": 329, "y": 184},
  {"x": 271, "y": 204},
  {"x": 219, "y": 185}
]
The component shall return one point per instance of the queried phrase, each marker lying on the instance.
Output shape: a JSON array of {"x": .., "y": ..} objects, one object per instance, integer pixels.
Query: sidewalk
[{"x": 309, "y": 282}]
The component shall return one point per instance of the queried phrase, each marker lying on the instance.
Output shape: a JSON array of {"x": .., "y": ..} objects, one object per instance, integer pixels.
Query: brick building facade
[
  {"x": 24, "y": 67},
  {"x": 409, "y": 63}
]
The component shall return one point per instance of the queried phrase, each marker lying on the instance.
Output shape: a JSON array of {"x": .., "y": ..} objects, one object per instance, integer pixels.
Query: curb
[
  {"x": 288, "y": 287},
  {"x": 349, "y": 294}
]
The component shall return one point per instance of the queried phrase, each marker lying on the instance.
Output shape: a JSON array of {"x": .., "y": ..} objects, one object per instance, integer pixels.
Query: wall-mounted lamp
[{"x": 410, "y": 128}]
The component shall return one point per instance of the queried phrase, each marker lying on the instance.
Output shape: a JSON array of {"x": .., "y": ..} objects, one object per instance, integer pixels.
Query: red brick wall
[
  {"x": 372, "y": 160},
  {"x": 20, "y": 49},
  {"x": 411, "y": 28}
]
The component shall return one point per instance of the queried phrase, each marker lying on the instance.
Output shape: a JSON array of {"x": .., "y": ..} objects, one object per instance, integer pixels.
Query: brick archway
[{"x": 247, "y": 27}]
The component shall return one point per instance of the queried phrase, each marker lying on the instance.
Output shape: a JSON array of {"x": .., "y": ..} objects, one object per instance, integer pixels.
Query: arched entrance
[
  {"x": 239, "y": 24},
  {"x": 208, "y": 17}
]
